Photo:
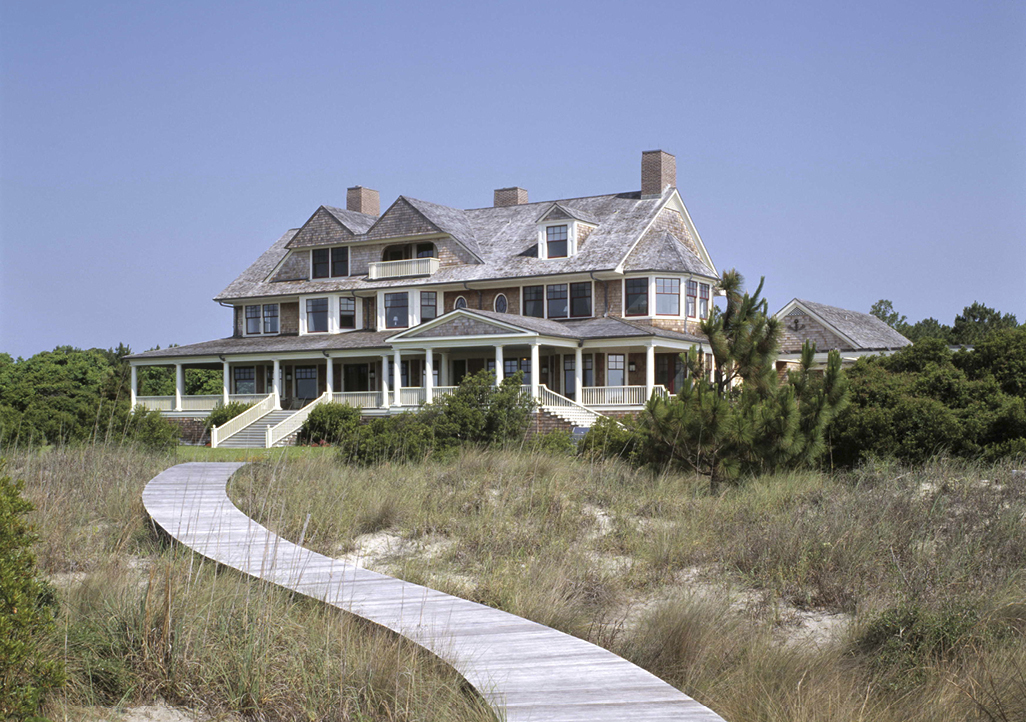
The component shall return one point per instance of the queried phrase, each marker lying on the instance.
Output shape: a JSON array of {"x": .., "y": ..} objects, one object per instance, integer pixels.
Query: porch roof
[{"x": 274, "y": 344}]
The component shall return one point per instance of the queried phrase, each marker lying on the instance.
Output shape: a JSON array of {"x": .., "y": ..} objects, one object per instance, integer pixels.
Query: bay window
[
  {"x": 346, "y": 313},
  {"x": 668, "y": 296},
  {"x": 703, "y": 300},
  {"x": 316, "y": 315},
  {"x": 397, "y": 310},
  {"x": 428, "y": 305},
  {"x": 692, "y": 298},
  {"x": 636, "y": 296}
]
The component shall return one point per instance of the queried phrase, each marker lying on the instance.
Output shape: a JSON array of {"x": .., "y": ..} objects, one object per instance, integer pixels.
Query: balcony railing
[
  {"x": 402, "y": 269},
  {"x": 618, "y": 395},
  {"x": 157, "y": 403},
  {"x": 411, "y": 396},
  {"x": 194, "y": 403}
]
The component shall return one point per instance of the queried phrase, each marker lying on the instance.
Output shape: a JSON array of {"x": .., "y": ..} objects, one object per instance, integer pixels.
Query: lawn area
[{"x": 183, "y": 453}]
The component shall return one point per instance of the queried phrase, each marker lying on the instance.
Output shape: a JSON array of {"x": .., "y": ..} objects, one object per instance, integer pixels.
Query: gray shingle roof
[
  {"x": 358, "y": 223},
  {"x": 505, "y": 238},
  {"x": 274, "y": 344},
  {"x": 867, "y": 331},
  {"x": 663, "y": 252},
  {"x": 575, "y": 213}
]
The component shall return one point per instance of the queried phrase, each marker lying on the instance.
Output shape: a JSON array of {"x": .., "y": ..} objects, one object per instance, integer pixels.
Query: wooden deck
[{"x": 525, "y": 670}]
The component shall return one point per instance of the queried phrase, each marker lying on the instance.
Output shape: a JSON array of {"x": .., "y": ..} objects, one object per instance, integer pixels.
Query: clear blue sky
[{"x": 848, "y": 152}]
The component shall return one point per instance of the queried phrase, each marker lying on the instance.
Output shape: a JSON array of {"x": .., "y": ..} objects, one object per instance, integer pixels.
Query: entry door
[
  {"x": 355, "y": 377},
  {"x": 306, "y": 382},
  {"x": 459, "y": 370}
]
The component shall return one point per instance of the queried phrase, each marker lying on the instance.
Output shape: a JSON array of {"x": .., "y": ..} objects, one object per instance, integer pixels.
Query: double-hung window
[
  {"x": 703, "y": 300},
  {"x": 245, "y": 380},
  {"x": 534, "y": 301},
  {"x": 347, "y": 313},
  {"x": 330, "y": 262},
  {"x": 580, "y": 299},
  {"x": 316, "y": 315},
  {"x": 428, "y": 305},
  {"x": 636, "y": 296},
  {"x": 692, "y": 298},
  {"x": 556, "y": 241},
  {"x": 556, "y": 295},
  {"x": 668, "y": 296},
  {"x": 262, "y": 319},
  {"x": 397, "y": 310},
  {"x": 615, "y": 375},
  {"x": 339, "y": 261}
]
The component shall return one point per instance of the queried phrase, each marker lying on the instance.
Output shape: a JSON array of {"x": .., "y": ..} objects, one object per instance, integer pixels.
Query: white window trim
[
  {"x": 439, "y": 301},
  {"x": 681, "y": 284},
  {"x": 358, "y": 302},
  {"x": 455, "y": 303},
  {"x": 624, "y": 369},
  {"x": 412, "y": 308},
  {"x": 329, "y": 276},
  {"x": 571, "y": 238},
  {"x": 261, "y": 331},
  {"x": 332, "y": 315},
  {"x": 545, "y": 300},
  {"x": 653, "y": 301},
  {"x": 495, "y": 303}
]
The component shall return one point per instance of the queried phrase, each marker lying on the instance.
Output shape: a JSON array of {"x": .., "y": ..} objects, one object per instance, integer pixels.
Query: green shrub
[
  {"x": 149, "y": 429},
  {"x": 330, "y": 423},
  {"x": 223, "y": 413},
  {"x": 27, "y": 607},
  {"x": 398, "y": 439},
  {"x": 554, "y": 442},
  {"x": 479, "y": 412},
  {"x": 609, "y": 438}
]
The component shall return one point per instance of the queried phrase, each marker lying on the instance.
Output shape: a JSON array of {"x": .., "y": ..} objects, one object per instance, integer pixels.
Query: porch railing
[
  {"x": 201, "y": 403},
  {"x": 359, "y": 399},
  {"x": 247, "y": 417},
  {"x": 411, "y": 396},
  {"x": 399, "y": 269},
  {"x": 618, "y": 395},
  {"x": 551, "y": 398},
  {"x": 243, "y": 398},
  {"x": 156, "y": 403},
  {"x": 274, "y": 434},
  {"x": 439, "y": 391}
]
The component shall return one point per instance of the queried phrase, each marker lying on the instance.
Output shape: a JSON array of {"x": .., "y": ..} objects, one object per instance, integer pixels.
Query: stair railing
[
  {"x": 551, "y": 399},
  {"x": 274, "y": 434},
  {"x": 233, "y": 426}
]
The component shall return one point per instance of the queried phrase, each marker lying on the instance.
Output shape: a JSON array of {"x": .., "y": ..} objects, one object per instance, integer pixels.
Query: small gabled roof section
[
  {"x": 413, "y": 217},
  {"x": 560, "y": 211},
  {"x": 330, "y": 225},
  {"x": 465, "y": 322},
  {"x": 664, "y": 252},
  {"x": 863, "y": 331}
]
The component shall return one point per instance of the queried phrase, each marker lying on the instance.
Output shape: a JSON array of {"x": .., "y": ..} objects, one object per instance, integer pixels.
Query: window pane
[
  {"x": 500, "y": 303},
  {"x": 316, "y": 315},
  {"x": 347, "y": 313},
  {"x": 320, "y": 263},
  {"x": 245, "y": 380},
  {"x": 397, "y": 310},
  {"x": 460, "y": 303},
  {"x": 668, "y": 296},
  {"x": 534, "y": 301},
  {"x": 703, "y": 300},
  {"x": 271, "y": 318},
  {"x": 555, "y": 238},
  {"x": 428, "y": 305},
  {"x": 580, "y": 299},
  {"x": 637, "y": 296},
  {"x": 615, "y": 376},
  {"x": 589, "y": 370},
  {"x": 252, "y": 319},
  {"x": 340, "y": 261},
  {"x": 426, "y": 250},
  {"x": 557, "y": 300}
]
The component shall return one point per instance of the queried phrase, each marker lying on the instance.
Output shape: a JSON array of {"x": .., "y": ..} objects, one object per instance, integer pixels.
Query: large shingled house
[{"x": 593, "y": 299}]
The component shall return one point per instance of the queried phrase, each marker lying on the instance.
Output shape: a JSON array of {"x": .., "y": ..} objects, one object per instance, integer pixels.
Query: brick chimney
[
  {"x": 363, "y": 200},
  {"x": 510, "y": 197},
  {"x": 658, "y": 172}
]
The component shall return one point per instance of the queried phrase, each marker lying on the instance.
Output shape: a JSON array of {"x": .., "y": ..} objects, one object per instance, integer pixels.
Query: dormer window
[
  {"x": 556, "y": 241},
  {"x": 407, "y": 251},
  {"x": 330, "y": 262}
]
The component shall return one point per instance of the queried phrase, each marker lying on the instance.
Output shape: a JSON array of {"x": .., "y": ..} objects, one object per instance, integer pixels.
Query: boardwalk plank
[{"x": 527, "y": 671}]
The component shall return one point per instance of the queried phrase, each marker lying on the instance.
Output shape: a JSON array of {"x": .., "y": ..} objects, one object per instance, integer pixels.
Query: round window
[
  {"x": 500, "y": 303},
  {"x": 461, "y": 302}
]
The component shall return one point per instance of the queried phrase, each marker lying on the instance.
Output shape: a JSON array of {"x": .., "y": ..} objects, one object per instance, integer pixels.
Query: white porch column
[
  {"x": 535, "y": 369},
  {"x": 443, "y": 373},
  {"x": 498, "y": 364},
  {"x": 398, "y": 366},
  {"x": 429, "y": 373},
  {"x": 579, "y": 375},
  {"x": 330, "y": 380},
  {"x": 649, "y": 371},
  {"x": 226, "y": 383},
  {"x": 135, "y": 384},
  {"x": 275, "y": 373},
  {"x": 384, "y": 381},
  {"x": 179, "y": 385}
]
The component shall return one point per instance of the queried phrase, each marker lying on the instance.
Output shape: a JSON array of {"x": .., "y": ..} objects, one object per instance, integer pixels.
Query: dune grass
[{"x": 706, "y": 591}]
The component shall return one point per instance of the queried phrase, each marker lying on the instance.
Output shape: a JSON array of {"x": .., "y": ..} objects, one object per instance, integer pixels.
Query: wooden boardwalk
[{"x": 525, "y": 670}]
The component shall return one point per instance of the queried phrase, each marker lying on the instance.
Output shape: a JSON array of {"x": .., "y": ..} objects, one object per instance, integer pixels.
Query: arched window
[
  {"x": 460, "y": 302},
  {"x": 500, "y": 303}
]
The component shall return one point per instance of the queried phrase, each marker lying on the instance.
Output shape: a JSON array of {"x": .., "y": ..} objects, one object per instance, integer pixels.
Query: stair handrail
[
  {"x": 233, "y": 426},
  {"x": 548, "y": 396},
  {"x": 274, "y": 434}
]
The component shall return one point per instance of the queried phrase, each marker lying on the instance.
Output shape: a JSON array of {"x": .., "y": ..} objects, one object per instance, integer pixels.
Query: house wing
[{"x": 832, "y": 327}]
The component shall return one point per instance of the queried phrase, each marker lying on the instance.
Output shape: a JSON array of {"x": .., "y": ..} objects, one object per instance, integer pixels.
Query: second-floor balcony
[{"x": 402, "y": 269}]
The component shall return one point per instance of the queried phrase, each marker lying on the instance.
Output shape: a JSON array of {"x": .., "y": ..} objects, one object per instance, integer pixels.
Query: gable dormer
[{"x": 562, "y": 231}]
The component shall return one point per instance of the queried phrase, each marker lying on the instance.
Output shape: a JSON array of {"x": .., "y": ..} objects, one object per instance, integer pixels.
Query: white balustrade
[
  {"x": 274, "y": 434},
  {"x": 440, "y": 391},
  {"x": 246, "y": 398},
  {"x": 156, "y": 403},
  {"x": 247, "y": 417},
  {"x": 411, "y": 396},
  {"x": 359, "y": 399},
  {"x": 201, "y": 403},
  {"x": 613, "y": 396},
  {"x": 401, "y": 269}
]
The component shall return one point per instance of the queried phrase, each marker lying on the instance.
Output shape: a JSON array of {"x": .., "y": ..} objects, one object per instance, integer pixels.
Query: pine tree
[{"x": 737, "y": 417}]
